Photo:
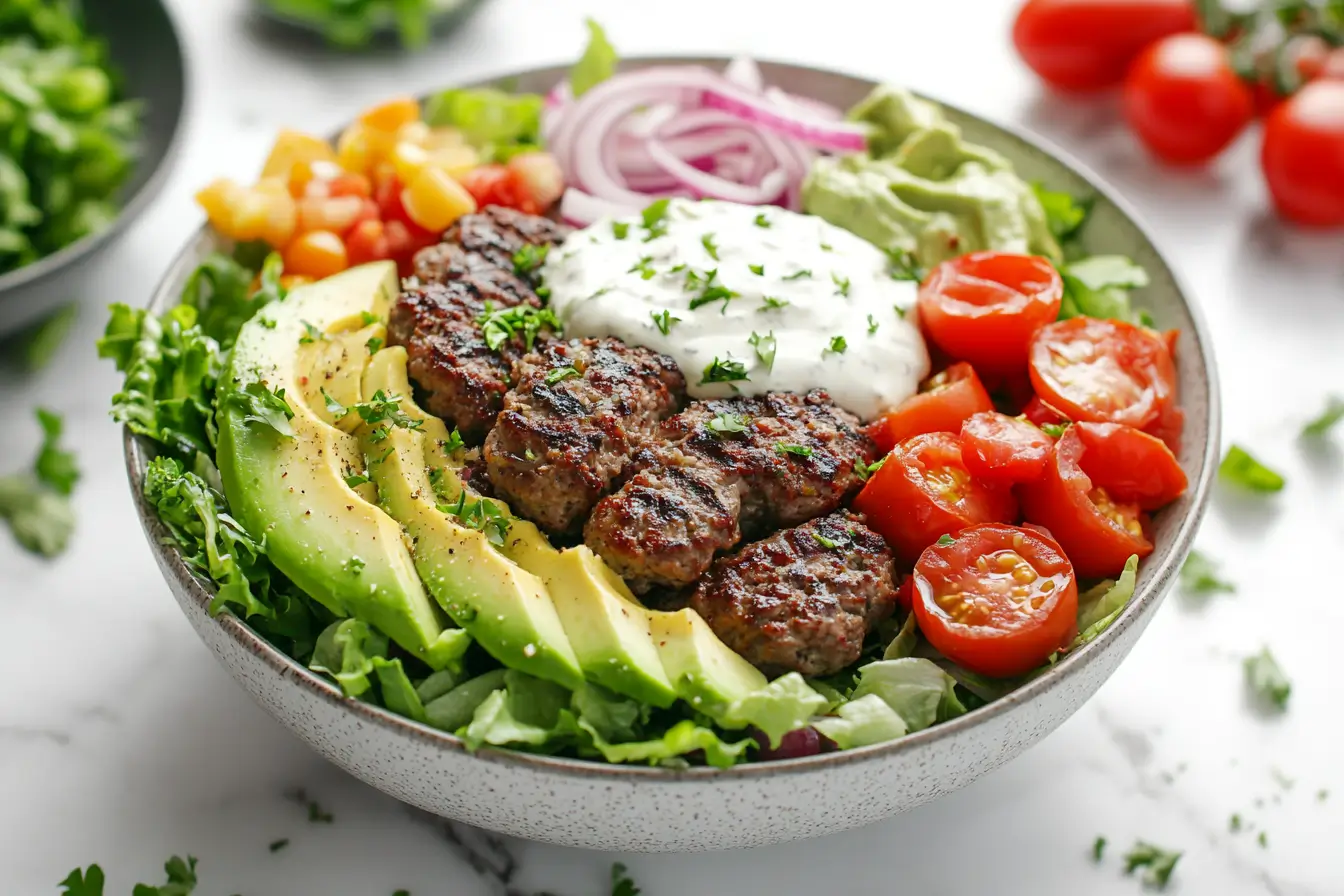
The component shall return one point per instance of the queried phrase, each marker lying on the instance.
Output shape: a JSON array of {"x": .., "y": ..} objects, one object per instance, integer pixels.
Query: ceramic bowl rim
[{"x": 1144, "y": 601}]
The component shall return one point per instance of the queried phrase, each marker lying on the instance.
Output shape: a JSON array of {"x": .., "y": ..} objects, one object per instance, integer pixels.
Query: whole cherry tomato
[{"x": 1303, "y": 155}]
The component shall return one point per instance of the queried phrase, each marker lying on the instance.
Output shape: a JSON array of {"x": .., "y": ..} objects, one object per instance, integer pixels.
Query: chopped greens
[
  {"x": 762, "y": 221},
  {"x": 837, "y": 345},
  {"x": 261, "y": 405},
  {"x": 841, "y": 284},
  {"x": 311, "y": 334},
  {"x": 620, "y": 229},
  {"x": 181, "y": 874},
  {"x": 757, "y": 269},
  {"x": 709, "y": 290},
  {"x": 560, "y": 374},
  {"x": 664, "y": 320},
  {"x": 725, "y": 424},
  {"x": 901, "y": 265},
  {"x": 711, "y": 248},
  {"x": 499, "y": 124},
  {"x": 384, "y": 408},
  {"x": 655, "y": 220},
  {"x": 770, "y": 303},
  {"x": 597, "y": 64},
  {"x": 1099, "y": 286},
  {"x": 529, "y": 259},
  {"x": 800, "y": 450},
  {"x": 374, "y": 344},
  {"x": 1054, "y": 430},
  {"x": 872, "y": 325},
  {"x": 621, "y": 883},
  {"x": 828, "y": 543},
  {"x": 1065, "y": 216},
  {"x": 1266, "y": 679},
  {"x": 643, "y": 267},
  {"x": 724, "y": 371},
  {"x": 765, "y": 347},
  {"x": 1158, "y": 862},
  {"x": 1199, "y": 575},
  {"x": 499, "y": 325},
  {"x": 1098, "y": 848},
  {"x": 799, "y": 274},
  {"x": 482, "y": 515},
  {"x": 944, "y": 540},
  {"x": 1240, "y": 468},
  {"x": 36, "y": 505},
  {"x": 1328, "y": 418},
  {"x": 277, "y": 845}
]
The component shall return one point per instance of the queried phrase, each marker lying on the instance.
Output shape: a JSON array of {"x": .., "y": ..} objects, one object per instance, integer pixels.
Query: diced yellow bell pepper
[
  {"x": 443, "y": 138},
  {"x": 219, "y": 198},
  {"x": 292, "y": 147},
  {"x": 361, "y": 148},
  {"x": 434, "y": 200},
  {"x": 265, "y": 212},
  {"x": 416, "y": 132},
  {"x": 391, "y": 115},
  {"x": 408, "y": 158}
]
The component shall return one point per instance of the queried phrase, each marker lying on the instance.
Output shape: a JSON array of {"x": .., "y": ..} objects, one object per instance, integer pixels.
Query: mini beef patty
[{"x": 802, "y": 600}]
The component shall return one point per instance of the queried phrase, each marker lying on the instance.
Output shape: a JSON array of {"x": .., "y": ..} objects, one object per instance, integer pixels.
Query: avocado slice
[
  {"x": 704, "y": 671},
  {"x": 327, "y": 537}
]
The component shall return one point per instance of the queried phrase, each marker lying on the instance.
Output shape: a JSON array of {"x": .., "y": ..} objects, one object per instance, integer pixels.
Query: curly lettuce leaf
[
  {"x": 916, "y": 690},
  {"x": 453, "y": 709},
  {"x": 1099, "y": 286},
  {"x": 221, "y": 291},
  {"x": 597, "y": 64},
  {"x": 780, "y": 707},
  {"x": 345, "y": 651},
  {"x": 682, "y": 738},
  {"x": 1103, "y": 603},
  {"x": 858, "y": 723}
]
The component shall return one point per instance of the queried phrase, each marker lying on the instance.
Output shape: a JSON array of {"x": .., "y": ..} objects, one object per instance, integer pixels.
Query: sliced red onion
[
  {"x": 745, "y": 73},
  {"x": 577, "y": 207},
  {"x": 834, "y": 135}
]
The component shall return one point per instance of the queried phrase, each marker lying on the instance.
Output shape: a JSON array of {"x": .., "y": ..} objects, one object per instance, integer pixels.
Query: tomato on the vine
[
  {"x": 1303, "y": 155},
  {"x": 1184, "y": 100},
  {"x": 1089, "y": 44}
]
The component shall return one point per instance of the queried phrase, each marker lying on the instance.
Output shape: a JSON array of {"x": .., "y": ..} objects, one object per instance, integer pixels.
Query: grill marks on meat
[
  {"x": 699, "y": 493},
  {"x": 802, "y": 600},
  {"x": 464, "y": 381},
  {"x": 559, "y": 446}
]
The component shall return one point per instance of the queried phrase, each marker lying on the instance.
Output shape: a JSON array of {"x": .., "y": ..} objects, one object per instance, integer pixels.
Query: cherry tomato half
[
  {"x": 924, "y": 491},
  {"x": 984, "y": 307},
  {"x": 943, "y": 402},
  {"x": 1089, "y": 44},
  {"x": 1097, "y": 532},
  {"x": 1004, "y": 449},
  {"x": 1169, "y": 426},
  {"x": 1303, "y": 155},
  {"x": 1104, "y": 371},
  {"x": 1040, "y": 413},
  {"x": 499, "y": 185},
  {"x": 1133, "y": 466},
  {"x": 998, "y": 600},
  {"x": 366, "y": 242},
  {"x": 1185, "y": 101}
]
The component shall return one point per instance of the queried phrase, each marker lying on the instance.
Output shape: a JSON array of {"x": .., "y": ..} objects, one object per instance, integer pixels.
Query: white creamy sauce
[{"x": 823, "y": 295}]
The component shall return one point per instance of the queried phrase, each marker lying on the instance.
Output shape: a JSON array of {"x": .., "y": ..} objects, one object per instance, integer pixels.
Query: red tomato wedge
[
  {"x": 1103, "y": 371},
  {"x": 1004, "y": 449},
  {"x": 1168, "y": 427},
  {"x": 1133, "y": 466},
  {"x": 924, "y": 490},
  {"x": 984, "y": 307},
  {"x": 997, "y": 600},
  {"x": 942, "y": 403},
  {"x": 1040, "y": 413},
  {"x": 1098, "y": 532}
]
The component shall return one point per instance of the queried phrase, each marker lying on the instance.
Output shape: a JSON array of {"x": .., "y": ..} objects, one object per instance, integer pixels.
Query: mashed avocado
[{"x": 923, "y": 190}]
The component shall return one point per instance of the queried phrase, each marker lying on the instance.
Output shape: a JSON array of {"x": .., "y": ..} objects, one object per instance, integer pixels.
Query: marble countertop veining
[{"x": 123, "y": 742}]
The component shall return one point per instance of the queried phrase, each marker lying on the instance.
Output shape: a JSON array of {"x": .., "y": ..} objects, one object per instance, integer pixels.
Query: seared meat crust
[
  {"x": 496, "y": 233},
  {"x": 580, "y": 411},
  {"x": 802, "y": 600},
  {"x": 699, "y": 493}
]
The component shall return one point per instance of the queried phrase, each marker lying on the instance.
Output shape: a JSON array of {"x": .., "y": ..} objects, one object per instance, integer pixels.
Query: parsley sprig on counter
[
  {"x": 36, "y": 504},
  {"x": 1158, "y": 863},
  {"x": 1266, "y": 679}
]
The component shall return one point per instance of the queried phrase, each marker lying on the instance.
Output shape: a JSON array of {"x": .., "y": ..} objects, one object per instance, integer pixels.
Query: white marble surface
[{"x": 121, "y": 740}]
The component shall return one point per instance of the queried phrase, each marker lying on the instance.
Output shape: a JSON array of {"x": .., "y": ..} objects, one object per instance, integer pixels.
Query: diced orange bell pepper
[
  {"x": 391, "y": 115},
  {"x": 317, "y": 254},
  {"x": 293, "y": 147},
  {"x": 434, "y": 200}
]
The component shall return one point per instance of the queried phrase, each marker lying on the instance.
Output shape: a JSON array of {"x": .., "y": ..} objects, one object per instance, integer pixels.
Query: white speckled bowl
[{"x": 588, "y": 804}]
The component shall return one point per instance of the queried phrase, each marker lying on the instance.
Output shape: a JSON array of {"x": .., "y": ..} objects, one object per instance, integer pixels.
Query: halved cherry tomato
[
  {"x": 366, "y": 242},
  {"x": 1303, "y": 155},
  {"x": 387, "y": 195},
  {"x": 1104, "y": 371},
  {"x": 498, "y": 185},
  {"x": 943, "y": 402},
  {"x": 1089, "y": 44},
  {"x": 998, "y": 600},
  {"x": 347, "y": 183},
  {"x": 1098, "y": 533},
  {"x": 403, "y": 241},
  {"x": 1041, "y": 414},
  {"x": 1005, "y": 449},
  {"x": 924, "y": 490},
  {"x": 1133, "y": 466},
  {"x": 317, "y": 254},
  {"x": 984, "y": 307},
  {"x": 1169, "y": 426},
  {"x": 1184, "y": 100}
]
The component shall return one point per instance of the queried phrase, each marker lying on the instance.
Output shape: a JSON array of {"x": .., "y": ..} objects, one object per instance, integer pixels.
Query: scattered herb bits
[
  {"x": 1266, "y": 680},
  {"x": 1158, "y": 863},
  {"x": 724, "y": 371},
  {"x": 1240, "y": 468},
  {"x": 1199, "y": 575}
]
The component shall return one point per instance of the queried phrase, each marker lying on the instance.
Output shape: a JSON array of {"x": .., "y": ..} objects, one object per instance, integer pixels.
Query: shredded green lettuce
[
  {"x": 1100, "y": 286},
  {"x": 220, "y": 289},
  {"x": 1103, "y": 603},
  {"x": 916, "y": 690},
  {"x": 781, "y": 706},
  {"x": 858, "y": 723},
  {"x": 1064, "y": 215},
  {"x": 597, "y": 64}
]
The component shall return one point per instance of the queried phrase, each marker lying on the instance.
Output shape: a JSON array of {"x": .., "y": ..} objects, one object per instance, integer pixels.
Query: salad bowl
[{"x": 587, "y": 804}]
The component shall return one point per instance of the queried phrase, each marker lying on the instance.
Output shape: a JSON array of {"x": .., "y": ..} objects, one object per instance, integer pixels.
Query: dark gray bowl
[
  {"x": 145, "y": 47},
  {"x": 445, "y": 17}
]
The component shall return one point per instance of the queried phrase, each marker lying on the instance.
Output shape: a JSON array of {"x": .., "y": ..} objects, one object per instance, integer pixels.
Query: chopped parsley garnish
[
  {"x": 354, "y": 480},
  {"x": 757, "y": 269},
  {"x": 453, "y": 443},
  {"x": 709, "y": 290},
  {"x": 863, "y": 470},
  {"x": 561, "y": 373},
  {"x": 311, "y": 334},
  {"x": 277, "y": 845},
  {"x": 799, "y": 274},
  {"x": 1159, "y": 863},
  {"x": 1098, "y": 848},
  {"x": 827, "y": 247},
  {"x": 1054, "y": 430},
  {"x": 654, "y": 218},
  {"x": 1199, "y": 575},
  {"x": 901, "y": 265},
  {"x": 367, "y": 319},
  {"x": 502, "y": 324},
  {"x": 723, "y": 424},
  {"x": 36, "y": 505},
  {"x": 528, "y": 259},
  {"x": 872, "y": 325},
  {"x": 762, "y": 221},
  {"x": 1333, "y": 413},
  {"x": 727, "y": 371},
  {"x": 1240, "y": 468},
  {"x": 1266, "y": 679},
  {"x": 1262, "y": 838},
  {"x": 380, "y": 434},
  {"x": 944, "y": 540},
  {"x": 386, "y": 454},
  {"x": 1234, "y": 823},
  {"x": 900, "y": 312},
  {"x": 481, "y": 515},
  {"x": 261, "y": 405},
  {"x": 828, "y": 543},
  {"x": 316, "y": 814},
  {"x": 770, "y": 303},
  {"x": 620, "y": 229},
  {"x": 643, "y": 267},
  {"x": 765, "y": 348},
  {"x": 711, "y": 248},
  {"x": 529, "y": 454},
  {"x": 374, "y": 344},
  {"x": 621, "y": 883},
  {"x": 664, "y": 320},
  {"x": 435, "y": 475},
  {"x": 800, "y": 450},
  {"x": 841, "y": 284},
  {"x": 837, "y": 345},
  {"x": 334, "y": 407},
  {"x": 384, "y": 408}
]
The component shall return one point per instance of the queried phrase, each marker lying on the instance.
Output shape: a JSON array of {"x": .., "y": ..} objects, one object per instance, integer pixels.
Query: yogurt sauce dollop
[{"x": 747, "y": 300}]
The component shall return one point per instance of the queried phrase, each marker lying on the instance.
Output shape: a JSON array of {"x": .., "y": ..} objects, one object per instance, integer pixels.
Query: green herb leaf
[
  {"x": 481, "y": 515},
  {"x": 1199, "y": 575},
  {"x": 724, "y": 371},
  {"x": 529, "y": 259},
  {"x": 1328, "y": 419},
  {"x": 762, "y": 221},
  {"x": 500, "y": 325},
  {"x": 1266, "y": 679},
  {"x": 872, "y": 325},
  {"x": 354, "y": 480},
  {"x": 597, "y": 64},
  {"x": 725, "y": 424},
  {"x": 799, "y": 274},
  {"x": 1159, "y": 863},
  {"x": 757, "y": 269},
  {"x": 655, "y": 219},
  {"x": 453, "y": 444},
  {"x": 770, "y": 303},
  {"x": 277, "y": 845},
  {"x": 828, "y": 543},
  {"x": 620, "y": 229},
  {"x": 664, "y": 320},
  {"x": 1065, "y": 216},
  {"x": 181, "y": 879},
  {"x": 311, "y": 334},
  {"x": 710, "y": 248},
  {"x": 900, "y": 312},
  {"x": 1240, "y": 468},
  {"x": 800, "y": 450},
  {"x": 837, "y": 345},
  {"x": 1099, "y": 286},
  {"x": 561, "y": 373},
  {"x": 944, "y": 540},
  {"x": 643, "y": 268},
  {"x": 621, "y": 883},
  {"x": 84, "y": 882},
  {"x": 1054, "y": 430},
  {"x": 334, "y": 407},
  {"x": 55, "y": 468},
  {"x": 1234, "y": 823},
  {"x": 374, "y": 345},
  {"x": 1098, "y": 848},
  {"x": 901, "y": 265},
  {"x": 260, "y": 405},
  {"x": 765, "y": 347},
  {"x": 841, "y": 284}
]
